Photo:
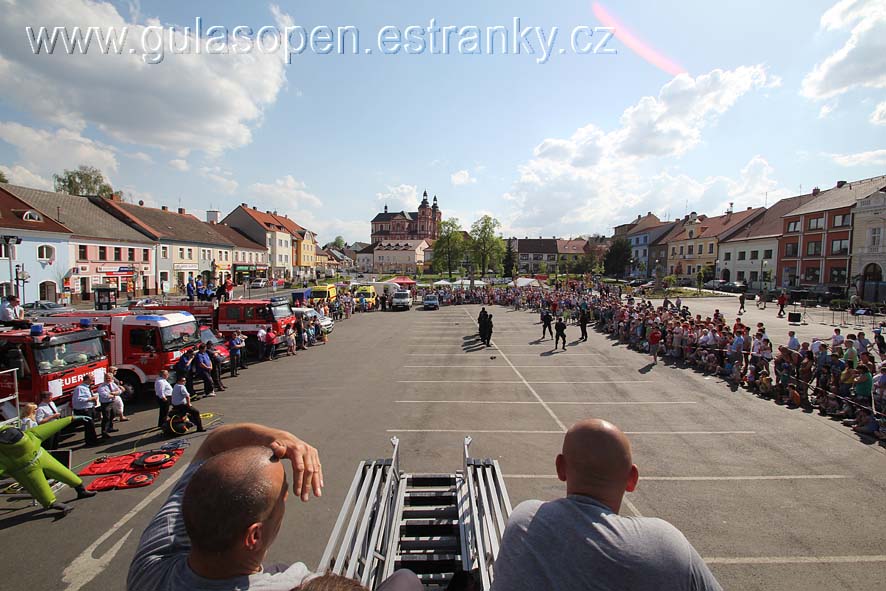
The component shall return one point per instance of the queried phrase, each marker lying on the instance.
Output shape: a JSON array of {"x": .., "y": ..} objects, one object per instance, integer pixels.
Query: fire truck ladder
[{"x": 432, "y": 524}]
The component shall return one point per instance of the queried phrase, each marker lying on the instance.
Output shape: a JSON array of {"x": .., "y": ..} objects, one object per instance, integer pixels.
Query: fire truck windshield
[
  {"x": 281, "y": 311},
  {"x": 52, "y": 358},
  {"x": 178, "y": 336}
]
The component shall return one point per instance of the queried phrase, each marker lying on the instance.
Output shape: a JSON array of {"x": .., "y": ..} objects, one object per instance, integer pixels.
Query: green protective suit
[{"x": 22, "y": 458}]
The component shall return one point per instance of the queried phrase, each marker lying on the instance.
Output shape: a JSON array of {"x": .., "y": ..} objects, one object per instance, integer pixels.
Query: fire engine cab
[
  {"x": 51, "y": 358},
  {"x": 243, "y": 315},
  {"x": 140, "y": 344}
]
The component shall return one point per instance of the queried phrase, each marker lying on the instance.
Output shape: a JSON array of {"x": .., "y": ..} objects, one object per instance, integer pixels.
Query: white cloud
[
  {"x": 284, "y": 194},
  {"x": 871, "y": 158},
  {"x": 221, "y": 178},
  {"x": 825, "y": 110},
  {"x": 44, "y": 153},
  {"x": 140, "y": 156},
  {"x": 19, "y": 175},
  {"x": 861, "y": 61},
  {"x": 180, "y": 165},
  {"x": 187, "y": 102},
  {"x": 400, "y": 196},
  {"x": 595, "y": 179},
  {"x": 462, "y": 177},
  {"x": 878, "y": 117}
]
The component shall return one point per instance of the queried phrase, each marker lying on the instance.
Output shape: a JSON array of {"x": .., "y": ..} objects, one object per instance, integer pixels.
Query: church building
[{"x": 423, "y": 224}]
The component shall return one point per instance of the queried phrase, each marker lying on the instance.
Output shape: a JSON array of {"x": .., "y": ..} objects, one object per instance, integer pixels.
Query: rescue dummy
[{"x": 23, "y": 458}]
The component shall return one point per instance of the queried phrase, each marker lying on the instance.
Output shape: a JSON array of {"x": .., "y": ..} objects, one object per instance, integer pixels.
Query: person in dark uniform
[
  {"x": 488, "y": 331},
  {"x": 583, "y": 319},
  {"x": 185, "y": 367},
  {"x": 546, "y": 320},
  {"x": 560, "y": 329},
  {"x": 481, "y": 319}
]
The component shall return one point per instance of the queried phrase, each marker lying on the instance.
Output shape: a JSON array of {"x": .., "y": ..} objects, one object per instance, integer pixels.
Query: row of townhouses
[
  {"x": 58, "y": 245},
  {"x": 830, "y": 239}
]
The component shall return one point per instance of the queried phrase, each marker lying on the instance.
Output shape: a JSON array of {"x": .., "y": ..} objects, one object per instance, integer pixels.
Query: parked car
[
  {"x": 42, "y": 307},
  {"x": 823, "y": 294},
  {"x": 308, "y": 315},
  {"x": 716, "y": 284},
  {"x": 431, "y": 302},
  {"x": 648, "y": 285},
  {"x": 685, "y": 282},
  {"x": 402, "y": 301},
  {"x": 258, "y": 283},
  {"x": 734, "y": 287},
  {"x": 636, "y": 282}
]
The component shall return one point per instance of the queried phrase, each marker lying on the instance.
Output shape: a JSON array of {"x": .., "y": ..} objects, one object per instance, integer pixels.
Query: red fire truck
[
  {"x": 140, "y": 344},
  {"x": 243, "y": 315},
  {"x": 53, "y": 359}
]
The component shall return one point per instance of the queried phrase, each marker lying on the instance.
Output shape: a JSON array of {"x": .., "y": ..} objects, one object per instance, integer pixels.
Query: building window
[
  {"x": 130, "y": 254},
  {"x": 146, "y": 255},
  {"x": 82, "y": 252},
  {"x": 181, "y": 253},
  {"x": 812, "y": 275},
  {"x": 118, "y": 254},
  {"x": 727, "y": 256},
  {"x": 791, "y": 249},
  {"x": 741, "y": 255},
  {"x": 874, "y": 237},
  {"x": 755, "y": 255},
  {"x": 4, "y": 254},
  {"x": 711, "y": 248},
  {"x": 45, "y": 252},
  {"x": 840, "y": 247},
  {"x": 102, "y": 253},
  {"x": 164, "y": 252},
  {"x": 813, "y": 249},
  {"x": 767, "y": 254},
  {"x": 690, "y": 249},
  {"x": 32, "y": 216},
  {"x": 190, "y": 254},
  {"x": 837, "y": 275},
  {"x": 842, "y": 220},
  {"x": 691, "y": 234},
  {"x": 794, "y": 226},
  {"x": 700, "y": 248},
  {"x": 681, "y": 249},
  {"x": 816, "y": 223},
  {"x": 754, "y": 275},
  {"x": 739, "y": 276}
]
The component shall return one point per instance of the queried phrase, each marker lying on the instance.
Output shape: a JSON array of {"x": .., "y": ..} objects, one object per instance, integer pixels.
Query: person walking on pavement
[
  {"x": 560, "y": 328},
  {"x": 546, "y": 320},
  {"x": 782, "y": 302},
  {"x": 216, "y": 359},
  {"x": 481, "y": 318},
  {"x": 488, "y": 331},
  {"x": 163, "y": 391},
  {"x": 583, "y": 319},
  {"x": 741, "y": 299},
  {"x": 654, "y": 339}
]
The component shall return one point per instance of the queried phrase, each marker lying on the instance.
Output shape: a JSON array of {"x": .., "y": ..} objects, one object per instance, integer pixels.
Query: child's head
[{"x": 27, "y": 410}]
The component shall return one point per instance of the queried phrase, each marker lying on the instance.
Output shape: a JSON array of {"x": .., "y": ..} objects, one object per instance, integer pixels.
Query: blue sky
[{"x": 774, "y": 96}]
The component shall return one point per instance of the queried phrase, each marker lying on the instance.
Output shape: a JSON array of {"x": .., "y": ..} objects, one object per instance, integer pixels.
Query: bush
[{"x": 839, "y": 304}]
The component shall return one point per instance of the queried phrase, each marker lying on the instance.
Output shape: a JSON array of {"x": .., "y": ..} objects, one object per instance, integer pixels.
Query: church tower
[
  {"x": 424, "y": 218},
  {"x": 437, "y": 217}
]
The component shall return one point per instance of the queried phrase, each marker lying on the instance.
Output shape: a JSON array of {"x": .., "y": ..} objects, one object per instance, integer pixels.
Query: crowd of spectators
[{"x": 843, "y": 376}]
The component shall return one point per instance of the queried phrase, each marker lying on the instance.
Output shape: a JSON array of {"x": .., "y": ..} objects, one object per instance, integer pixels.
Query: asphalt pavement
[{"x": 772, "y": 498}]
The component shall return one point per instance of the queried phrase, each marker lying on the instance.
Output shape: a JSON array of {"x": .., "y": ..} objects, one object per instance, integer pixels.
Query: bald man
[
  {"x": 224, "y": 514},
  {"x": 581, "y": 542}
]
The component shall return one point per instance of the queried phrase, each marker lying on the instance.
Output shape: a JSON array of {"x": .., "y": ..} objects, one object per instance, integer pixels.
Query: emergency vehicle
[
  {"x": 50, "y": 358},
  {"x": 247, "y": 316},
  {"x": 140, "y": 345}
]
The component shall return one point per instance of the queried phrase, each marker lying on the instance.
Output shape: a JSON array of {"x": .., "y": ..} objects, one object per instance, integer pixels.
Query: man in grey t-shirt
[{"x": 581, "y": 542}]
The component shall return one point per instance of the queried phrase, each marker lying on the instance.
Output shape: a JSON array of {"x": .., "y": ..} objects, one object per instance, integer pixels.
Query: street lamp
[{"x": 763, "y": 263}]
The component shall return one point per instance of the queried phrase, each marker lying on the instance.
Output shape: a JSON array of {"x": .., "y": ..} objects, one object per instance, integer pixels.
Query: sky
[{"x": 690, "y": 106}]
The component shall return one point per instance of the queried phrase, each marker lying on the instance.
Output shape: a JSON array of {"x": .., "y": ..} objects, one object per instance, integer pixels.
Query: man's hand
[{"x": 306, "y": 466}]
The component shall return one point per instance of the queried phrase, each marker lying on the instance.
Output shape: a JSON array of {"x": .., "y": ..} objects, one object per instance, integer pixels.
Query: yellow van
[
  {"x": 323, "y": 292},
  {"x": 368, "y": 293}
]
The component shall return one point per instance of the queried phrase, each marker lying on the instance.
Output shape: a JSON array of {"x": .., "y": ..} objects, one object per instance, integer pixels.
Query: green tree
[
  {"x": 486, "y": 246},
  {"x": 86, "y": 180},
  {"x": 618, "y": 256},
  {"x": 339, "y": 243},
  {"x": 510, "y": 260},
  {"x": 449, "y": 249},
  {"x": 3, "y": 178},
  {"x": 542, "y": 268}
]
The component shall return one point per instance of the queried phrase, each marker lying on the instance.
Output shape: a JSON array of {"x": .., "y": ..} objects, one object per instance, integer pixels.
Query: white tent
[
  {"x": 442, "y": 283},
  {"x": 525, "y": 282},
  {"x": 467, "y": 283}
]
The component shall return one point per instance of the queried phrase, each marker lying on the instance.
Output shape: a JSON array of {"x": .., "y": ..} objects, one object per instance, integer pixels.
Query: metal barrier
[{"x": 433, "y": 524}]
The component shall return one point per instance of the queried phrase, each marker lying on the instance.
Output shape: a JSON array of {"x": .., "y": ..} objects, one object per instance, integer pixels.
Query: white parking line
[
  {"x": 522, "y": 382},
  {"x": 616, "y": 403},
  {"x": 517, "y": 431},
  {"x": 795, "y": 559},
  {"x": 699, "y": 478}
]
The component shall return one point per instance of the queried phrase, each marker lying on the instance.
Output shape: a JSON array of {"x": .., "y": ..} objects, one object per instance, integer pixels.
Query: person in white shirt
[
  {"x": 181, "y": 403},
  {"x": 837, "y": 339},
  {"x": 106, "y": 395},
  {"x": 47, "y": 411},
  {"x": 163, "y": 391},
  {"x": 12, "y": 310},
  {"x": 27, "y": 416},
  {"x": 793, "y": 341},
  {"x": 83, "y": 401},
  {"x": 119, "y": 414}
]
